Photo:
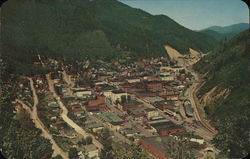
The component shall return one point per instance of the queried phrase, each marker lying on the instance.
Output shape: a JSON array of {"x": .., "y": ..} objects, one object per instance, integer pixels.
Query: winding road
[
  {"x": 64, "y": 116},
  {"x": 39, "y": 124}
]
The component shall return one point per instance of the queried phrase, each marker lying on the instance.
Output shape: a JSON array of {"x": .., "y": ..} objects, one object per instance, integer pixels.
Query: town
[{"x": 147, "y": 102}]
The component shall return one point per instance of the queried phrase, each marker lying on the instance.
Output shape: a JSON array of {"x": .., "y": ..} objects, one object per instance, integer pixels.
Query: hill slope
[
  {"x": 227, "y": 32},
  {"x": 219, "y": 36},
  {"x": 235, "y": 28},
  {"x": 228, "y": 74},
  {"x": 96, "y": 29}
]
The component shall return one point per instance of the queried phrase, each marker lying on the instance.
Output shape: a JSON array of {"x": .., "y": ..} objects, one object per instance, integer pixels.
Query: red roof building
[{"x": 154, "y": 86}]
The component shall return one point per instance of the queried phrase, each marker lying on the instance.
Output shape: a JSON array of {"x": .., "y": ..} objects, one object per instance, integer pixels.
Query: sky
[{"x": 196, "y": 14}]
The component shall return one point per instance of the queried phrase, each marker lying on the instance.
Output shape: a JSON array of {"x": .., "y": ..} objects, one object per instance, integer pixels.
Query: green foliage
[
  {"x": 73, "y": 154},
  {"x": 57, "y": 157},
  {"x": 19, "y": 138},
  {"x": 129, "y": 152},
  {"x": 228, "y": 68},
  {"x": 80, "y": 29},
  {"x": 89, "y": 140}
]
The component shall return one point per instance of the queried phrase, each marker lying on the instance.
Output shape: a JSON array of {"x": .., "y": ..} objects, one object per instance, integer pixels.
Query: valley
[{"x": 103, "y": 79}]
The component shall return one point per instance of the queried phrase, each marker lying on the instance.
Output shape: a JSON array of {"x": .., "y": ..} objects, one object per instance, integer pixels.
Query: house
[
  {"x": 78, "y": 112},
  {"x": 129, "y": 132},
  {"x": 91, "y": 151},
  {"x": 95, "y": 127}
]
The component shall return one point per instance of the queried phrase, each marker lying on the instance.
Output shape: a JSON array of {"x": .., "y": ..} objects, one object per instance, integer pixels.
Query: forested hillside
[
  {"x": 225, "y": 33},
  {"x": 79, "y": 29},
  {"x": 229, "y": 110}
]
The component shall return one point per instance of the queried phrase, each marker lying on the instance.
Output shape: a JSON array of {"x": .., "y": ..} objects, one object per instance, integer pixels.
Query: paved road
[
  {"x": 64, "y": 116},
  {"x": 39, "y": 124}
]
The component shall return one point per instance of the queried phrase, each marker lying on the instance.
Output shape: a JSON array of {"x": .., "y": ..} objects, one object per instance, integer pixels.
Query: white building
[
  {"x": 167, "y": 78},
  {"x": 135, "y": 80},
  {"x": 115, "y": 95},
  {"x": 83, "y": 93}
]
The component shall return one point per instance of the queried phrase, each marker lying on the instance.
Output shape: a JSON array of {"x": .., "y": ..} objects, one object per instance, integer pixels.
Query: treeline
[{"x": 228, "y": 68}]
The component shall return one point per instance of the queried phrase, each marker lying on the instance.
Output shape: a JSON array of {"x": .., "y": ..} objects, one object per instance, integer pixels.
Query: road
[
  {"x": 64, "y": 116},
  {"x": 191, "y": 97},
  {"x": 39, "y": 124}
]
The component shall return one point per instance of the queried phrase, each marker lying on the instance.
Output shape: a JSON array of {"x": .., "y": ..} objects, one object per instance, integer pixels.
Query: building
[
  {"x": 167, "y": 78},
  {"x": 116, "y": 95},
  {"x": 82, "y": 93},
  {"x": 129, "y": 132},
  {"x": 160, "y": 147},
  {"x": 95, "y": 127},
  {"x": 165, "y": 127},
  {"x": 132, "y": 104},
  {"x": 99, "y": 100},
  {"x": 110, "y": 118},
  {"x": 137, "y": 112},
  {"x": 134, "y": 80},
  {"x": 151, "y": 113},
  {"x": 164, "y": 105},
  {"x": 154, "y": 86},
  {"x": 90, "y": 151},
  {"x": 97, "y": 108},
  {"x": 169, "y": 95}
]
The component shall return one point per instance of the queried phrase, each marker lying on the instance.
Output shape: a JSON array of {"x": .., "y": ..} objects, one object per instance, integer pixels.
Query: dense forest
[
  {"x": 80, "y": 29},
  {"x": 228, "y": 70}
]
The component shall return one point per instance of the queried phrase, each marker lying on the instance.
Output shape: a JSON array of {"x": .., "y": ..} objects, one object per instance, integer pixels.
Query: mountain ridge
[
  {"x": 225, "y": 33},
  {"x": 95, "y": 29},
  {"x": 234, "y": 28}
]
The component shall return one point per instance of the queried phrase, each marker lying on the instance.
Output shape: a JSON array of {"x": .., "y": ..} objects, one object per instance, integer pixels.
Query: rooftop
[
  {"x": 164, "y": 144},
  {"x": 131, "y": 102},
  {"x": 137, "y": 110},
  {"x": 118, "y": 91},
  {"x": 109, "y": 117},
  {"x": 165, "y": 126}
]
